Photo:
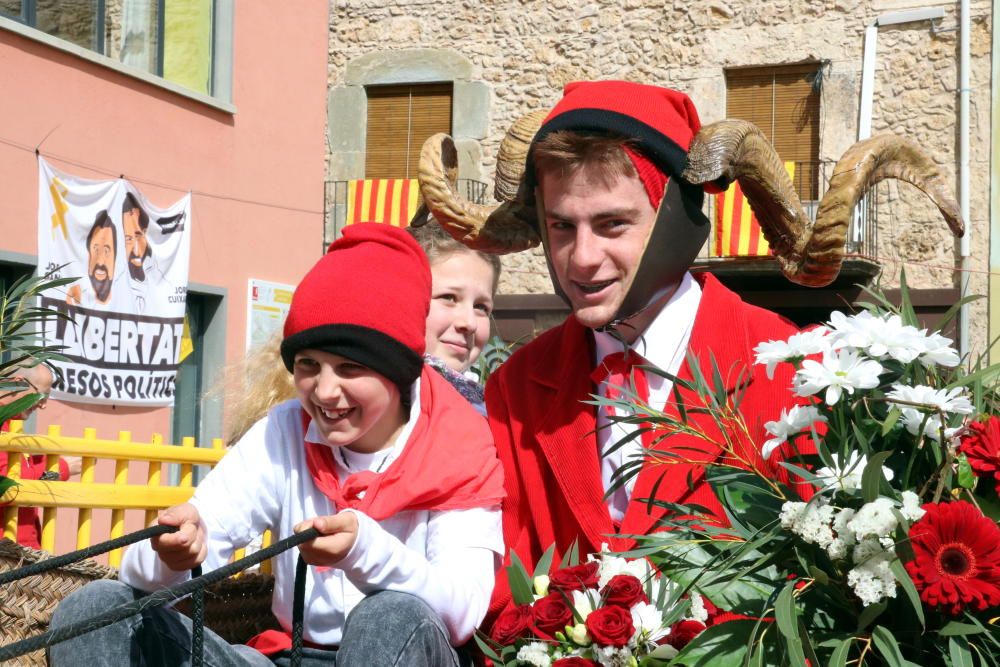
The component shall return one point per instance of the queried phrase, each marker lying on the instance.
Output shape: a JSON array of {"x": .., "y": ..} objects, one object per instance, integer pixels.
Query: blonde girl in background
[{"x": 464, "y": 283}]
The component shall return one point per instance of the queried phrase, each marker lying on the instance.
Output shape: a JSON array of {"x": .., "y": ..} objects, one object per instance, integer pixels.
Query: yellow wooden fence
[{"x": 87, "y": 494}]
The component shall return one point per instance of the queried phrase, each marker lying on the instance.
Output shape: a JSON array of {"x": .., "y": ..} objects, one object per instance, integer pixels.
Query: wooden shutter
[
  {"x": 781, "y": 101},
  {"x": 400, "y": 119}
]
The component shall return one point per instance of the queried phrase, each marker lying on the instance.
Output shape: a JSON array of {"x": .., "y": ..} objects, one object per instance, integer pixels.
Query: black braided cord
[
  {"x": 298, "y": 612},
  {"x": 197, "y": 622},
  {"x": 153, "y": 600},
  {"x": 41, "y": 566}
]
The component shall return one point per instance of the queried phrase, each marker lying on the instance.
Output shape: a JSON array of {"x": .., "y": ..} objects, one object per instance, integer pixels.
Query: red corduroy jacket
[{"x": 545, "y": 437}]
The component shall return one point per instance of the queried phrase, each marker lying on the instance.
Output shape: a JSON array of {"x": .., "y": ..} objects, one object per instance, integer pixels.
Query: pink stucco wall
[{"x": 271, "y": 150}]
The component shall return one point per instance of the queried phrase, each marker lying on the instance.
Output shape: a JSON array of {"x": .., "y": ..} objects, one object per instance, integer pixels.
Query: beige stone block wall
[{"x": 526, "y": 51}]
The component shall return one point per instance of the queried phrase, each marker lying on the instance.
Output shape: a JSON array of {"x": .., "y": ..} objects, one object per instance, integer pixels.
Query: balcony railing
[
  {"x": 336, "y": 204},
  {"x": 811, "y": 179}
]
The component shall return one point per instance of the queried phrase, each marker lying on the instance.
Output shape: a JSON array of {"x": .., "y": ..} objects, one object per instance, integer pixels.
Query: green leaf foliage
[
  {"x": 959, "y": 652},
  {"x": 722, "y": 645},
  {"x": 956, "y": 629},
  {"x": 839, "y": 656},
  {"x": 966, "y": 478},
  {"x": 520, "y": 582},
  {"x": 871, "y": 478},
  {"x": 544, "y": 563},
  {"x": 6, "y": 483},
  {"x": 903, "y": 578},
  {"x": 889, "y": 649},
  {"x": 787, "y": 618}
]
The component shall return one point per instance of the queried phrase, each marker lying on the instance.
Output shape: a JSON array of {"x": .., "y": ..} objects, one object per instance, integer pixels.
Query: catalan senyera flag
[
  {"x": 737, "y": 232},
  {"x": 388, "y": 200}
]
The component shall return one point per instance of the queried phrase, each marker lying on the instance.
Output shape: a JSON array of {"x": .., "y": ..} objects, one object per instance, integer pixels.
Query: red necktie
[{"x": 622, "y": 372}]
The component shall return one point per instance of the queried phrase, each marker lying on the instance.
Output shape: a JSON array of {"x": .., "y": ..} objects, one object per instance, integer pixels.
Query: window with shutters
[
  {"x": 784, "y": 104},
  {"x": 400, "y": 119}
]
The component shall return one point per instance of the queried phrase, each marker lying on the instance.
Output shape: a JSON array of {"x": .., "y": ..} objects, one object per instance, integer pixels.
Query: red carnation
[
  {"x": 575, "y": 578},
  {"x": 981, "y": 445},
  {"x": 624, "y": 590},
  {"x": 574, "y": 661},
  {"x": 610, "y": 626},
  {"x": 551, "y": 614},
  {"x": 957, "y": 557},
  {"x": 512, "y": 624},
  {"x": 682, "y": 632}
]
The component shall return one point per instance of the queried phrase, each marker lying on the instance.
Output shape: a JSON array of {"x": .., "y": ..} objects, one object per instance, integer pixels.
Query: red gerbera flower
[
  {"x": 981, "y": 444},
  {"x": 957, "y": 560}
]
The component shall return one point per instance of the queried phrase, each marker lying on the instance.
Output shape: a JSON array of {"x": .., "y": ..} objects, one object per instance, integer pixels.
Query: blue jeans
[{"x": 385, "y": 629}]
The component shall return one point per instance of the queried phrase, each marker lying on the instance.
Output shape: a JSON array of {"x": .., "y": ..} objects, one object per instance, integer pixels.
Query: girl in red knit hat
[{"x": 378, "y": 453}]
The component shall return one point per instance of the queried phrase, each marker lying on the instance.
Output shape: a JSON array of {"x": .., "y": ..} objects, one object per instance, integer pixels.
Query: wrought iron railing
[
  {"x": 811, "y": 179},
  {"x": 335, "y": 204}
]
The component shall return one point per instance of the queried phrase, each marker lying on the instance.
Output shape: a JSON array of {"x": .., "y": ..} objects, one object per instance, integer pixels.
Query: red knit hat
[
  {"x": 367, "y": 299},
  {"x": 661, "y": 122}
]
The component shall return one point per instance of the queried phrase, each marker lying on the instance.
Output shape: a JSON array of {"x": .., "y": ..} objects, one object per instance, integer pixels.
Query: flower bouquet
[
  {"x": 882, "y": 547},
  {"x": 607, "y": 611}
]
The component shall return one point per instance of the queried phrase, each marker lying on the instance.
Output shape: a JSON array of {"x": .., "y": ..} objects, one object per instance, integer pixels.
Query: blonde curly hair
[{"x": 252, "y": 386}]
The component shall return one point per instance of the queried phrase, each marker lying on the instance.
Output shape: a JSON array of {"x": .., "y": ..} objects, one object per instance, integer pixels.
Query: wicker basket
[{"x": 237, "y": 608}]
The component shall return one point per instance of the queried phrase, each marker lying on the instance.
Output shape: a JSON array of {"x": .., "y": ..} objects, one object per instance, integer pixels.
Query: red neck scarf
[{"x": 449, "y": 463}]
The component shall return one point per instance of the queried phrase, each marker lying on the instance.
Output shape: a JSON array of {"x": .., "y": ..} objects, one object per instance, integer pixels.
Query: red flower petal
[{"x": 957, "y": 558}]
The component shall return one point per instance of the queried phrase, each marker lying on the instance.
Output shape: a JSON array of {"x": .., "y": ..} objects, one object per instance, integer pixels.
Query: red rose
[
  {"x": 551, "y": 614},
  {"x": 624, "y": 590},
  {"x": 682, "y": 632},
  {"x": 574, "y": 661},
  {"x": 610, "y": 626},
  {"x": 981, "y": 445},
  {"x": 575, "y": 578},
  {"x": 512, "y": 624}
]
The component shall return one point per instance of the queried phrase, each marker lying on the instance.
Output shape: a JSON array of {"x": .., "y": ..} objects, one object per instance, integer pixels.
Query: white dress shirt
[
  {"x": 664, "y": 345},
  {"x": 446, "y": 558}
]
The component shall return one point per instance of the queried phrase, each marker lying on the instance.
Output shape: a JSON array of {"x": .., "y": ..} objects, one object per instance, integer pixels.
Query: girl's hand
[
  {"x": 185, "y": 548},
  {"x": 337, "y": 535}
]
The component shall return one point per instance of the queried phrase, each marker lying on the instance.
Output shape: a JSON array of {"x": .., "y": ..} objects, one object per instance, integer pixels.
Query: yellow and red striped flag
[
  {"x": 737, "y": 232},
  {"x": 388, "y": 200}
]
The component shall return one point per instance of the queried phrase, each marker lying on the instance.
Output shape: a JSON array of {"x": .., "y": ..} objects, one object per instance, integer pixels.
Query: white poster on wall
[
  {"x": 124, "y": 324},
  {"x": 268, "y": 305}
]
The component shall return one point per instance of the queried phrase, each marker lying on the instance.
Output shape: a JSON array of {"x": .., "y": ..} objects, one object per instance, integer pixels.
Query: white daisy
[
  {"x": 878, "y": 336},
  {"x": 949, "y": 401},
  {"x": 847, "y": 474},
  {"x": 938, "y": 350},
  {"x": 844, "y": 370},
  {"x": 797, "y": 347},
  {"x": 791, "y": 422}
]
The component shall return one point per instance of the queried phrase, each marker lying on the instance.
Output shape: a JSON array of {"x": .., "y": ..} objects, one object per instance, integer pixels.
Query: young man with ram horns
[{"x": 613, "y": 185}]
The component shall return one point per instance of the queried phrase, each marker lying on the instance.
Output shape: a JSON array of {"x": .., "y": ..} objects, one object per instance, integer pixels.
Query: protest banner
[{"x": 125, "y": 314}]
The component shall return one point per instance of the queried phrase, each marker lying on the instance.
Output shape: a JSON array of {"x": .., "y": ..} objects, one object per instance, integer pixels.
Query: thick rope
[
  {"x": 298, "y": 612},
  {"x": 197, "y": 622},
  {"x": 41, "y": 566},
  {"x": 151, "y": 601}
]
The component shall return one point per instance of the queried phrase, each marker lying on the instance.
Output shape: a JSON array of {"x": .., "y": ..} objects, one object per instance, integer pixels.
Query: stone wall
[{"x": 524, "y": 52}]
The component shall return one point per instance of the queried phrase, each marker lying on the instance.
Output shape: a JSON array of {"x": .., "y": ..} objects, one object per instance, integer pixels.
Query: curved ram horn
[
  {"x": 811, "y": 254},
  {"x": 738, "y": 150},
  {"x": 514, "y": 152},
  {"x": 509, "y": 228}
]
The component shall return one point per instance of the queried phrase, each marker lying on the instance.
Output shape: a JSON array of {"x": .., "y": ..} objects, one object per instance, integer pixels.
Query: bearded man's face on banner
[
  {"x": 101, "y": 262},
  {"x": 136, "y": 245}
]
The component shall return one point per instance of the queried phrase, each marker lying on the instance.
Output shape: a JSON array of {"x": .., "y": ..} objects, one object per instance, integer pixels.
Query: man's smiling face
[{"x": 597, "y": 231}]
